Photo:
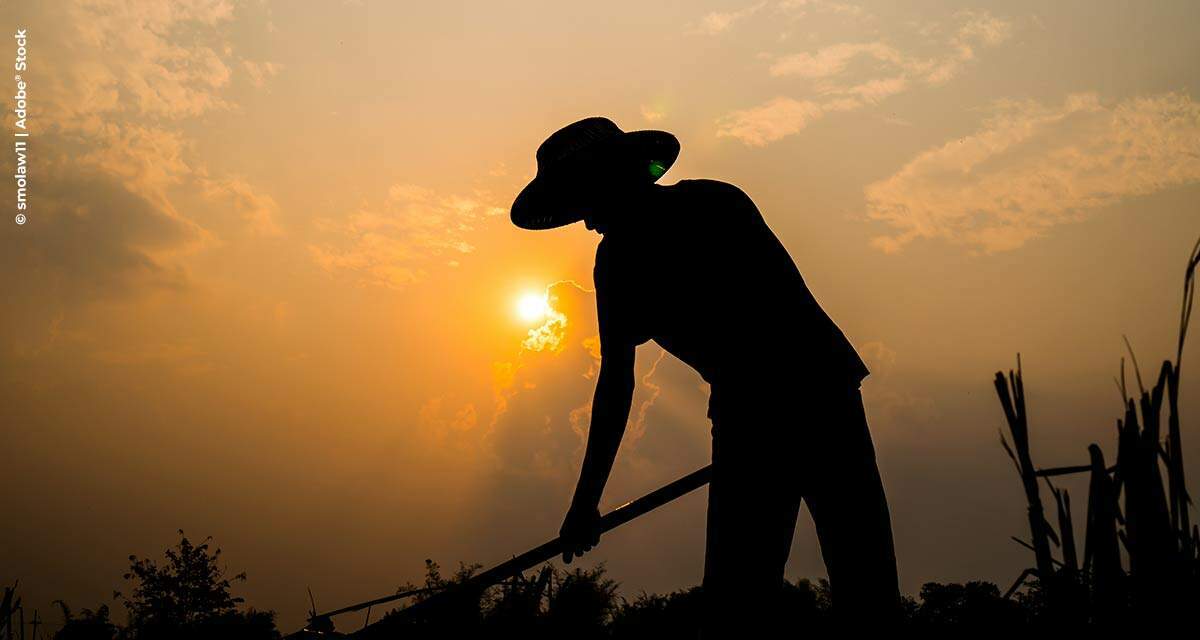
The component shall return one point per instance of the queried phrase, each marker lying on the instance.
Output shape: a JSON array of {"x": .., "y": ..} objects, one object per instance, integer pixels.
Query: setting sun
[{"x": 532, "y": 306}]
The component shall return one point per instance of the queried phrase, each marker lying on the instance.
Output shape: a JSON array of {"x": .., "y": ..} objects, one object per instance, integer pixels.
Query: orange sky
[{"x": 267, "y": 290}]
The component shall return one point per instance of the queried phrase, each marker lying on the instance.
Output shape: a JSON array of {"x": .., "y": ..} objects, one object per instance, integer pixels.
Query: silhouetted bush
[
  {"x": 88, "y": 625},
  {"x": 581, "y": 602},
  {"x": 189, "y": 596},
  {"x": 974, "y": 605},
  {"x": 655, "y": 616}
]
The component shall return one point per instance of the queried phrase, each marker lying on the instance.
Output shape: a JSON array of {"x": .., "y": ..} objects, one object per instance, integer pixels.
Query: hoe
[{"x": 320, "y": 625}]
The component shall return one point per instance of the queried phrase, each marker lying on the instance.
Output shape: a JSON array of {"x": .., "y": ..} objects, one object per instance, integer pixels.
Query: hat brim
[{"x": 545, "y": 202}]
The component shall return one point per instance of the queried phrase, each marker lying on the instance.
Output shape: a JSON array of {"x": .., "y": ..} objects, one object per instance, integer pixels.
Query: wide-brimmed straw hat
[{"x": 569, "y": 155}]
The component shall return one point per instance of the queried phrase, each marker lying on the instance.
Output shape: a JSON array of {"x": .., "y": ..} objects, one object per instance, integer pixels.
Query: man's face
[{"x": 604, "y": 191}]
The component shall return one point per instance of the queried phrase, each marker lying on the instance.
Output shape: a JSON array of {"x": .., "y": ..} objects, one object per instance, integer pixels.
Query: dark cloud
[{"x": 88, "y": 238}]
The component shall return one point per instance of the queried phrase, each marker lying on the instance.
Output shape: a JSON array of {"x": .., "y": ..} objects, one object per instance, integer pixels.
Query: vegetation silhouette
[
  {"x": 186, "y": 597},
  {"x": 1140, "y": 505},
  {"x": 550, "y": 603},
  {"x": 87, "y": 625}
]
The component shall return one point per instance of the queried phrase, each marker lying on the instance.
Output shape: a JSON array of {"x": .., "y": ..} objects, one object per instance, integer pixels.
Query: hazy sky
[{"x": 268, "y": 290}]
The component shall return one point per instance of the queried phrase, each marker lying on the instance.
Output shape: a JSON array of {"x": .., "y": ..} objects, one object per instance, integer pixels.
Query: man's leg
[
  {"x": 850, "y": 511},
  {"x": 753, "y": 502}
]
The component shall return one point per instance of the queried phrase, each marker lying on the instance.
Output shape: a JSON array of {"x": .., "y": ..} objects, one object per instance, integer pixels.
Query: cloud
[
  {"x": 981, "y": 27},
  {"x": 653, "y": 390},
  {"x": 260, "y": 72},
  {"x": 114, "y": 153},
  {"x": 1033, "y": 167},
  {"x": 91, "y": 238},
  {"x": 552, "y": 332},
  {"x": 258, "y": 210},
  {"x": 841, "y": 81},
  {"x": 893, "y": 405},
  {"x": 769, "y": 122},
  {"x": 879, "y": 358},
  {"x": 832, "y": 60},
  {"x": 392, "y": 244},
  {"x": 976, "y": 28},
  {"x": 652, "y": 114},
  {"x": 180, "y": 357},
  {"x": 152, "y": 59},
  {"x": 543, "y": 396},
  {"x": 901, "y": 411},
  {"x": 801, "y": 7},
  {"x": 717, "y": 22},
  {"x": 94, "y": 236},
  {"x": 449, "y": 426}
]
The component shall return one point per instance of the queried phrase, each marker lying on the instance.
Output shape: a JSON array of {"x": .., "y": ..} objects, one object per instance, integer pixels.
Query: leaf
[{"x": 1012, "y": 456}]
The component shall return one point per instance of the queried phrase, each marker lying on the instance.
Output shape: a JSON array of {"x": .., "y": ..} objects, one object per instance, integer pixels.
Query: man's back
[{"x": 699, "y": 272}]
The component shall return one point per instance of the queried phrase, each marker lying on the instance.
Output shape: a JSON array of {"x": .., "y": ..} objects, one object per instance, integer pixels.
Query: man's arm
[{"x": 615, "y": 309}]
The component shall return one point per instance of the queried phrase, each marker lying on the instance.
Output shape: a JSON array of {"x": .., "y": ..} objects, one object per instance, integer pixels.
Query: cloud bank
[
  {"x": 113, "y": 153},
  {"x": 393, "y": 243},
  {"x": 1033, "y": 167},
  {"x": 848, "y": 76},
  {"x": 119, "y": 198}
]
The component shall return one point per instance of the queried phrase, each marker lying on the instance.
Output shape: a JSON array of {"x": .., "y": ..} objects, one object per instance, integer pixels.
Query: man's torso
[{"x": 701, "y": 274}]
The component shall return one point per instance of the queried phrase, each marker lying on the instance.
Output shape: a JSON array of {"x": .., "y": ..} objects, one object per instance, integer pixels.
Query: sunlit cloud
[
  {"x": 717, "y": 22},
  {"x": 832, "y": 60},
  {"x": 879, "y": 358},
  {"x": 652, "y": 114},
  {"x": 551, "y": 333},
  {"x": 653, "y": 390},
  {"x": 769, "y": 122},
  {"x": 1033, "y": 167},
  {"x": 258, "y": 210},
  {"x": 155, "y": 59},
  {"x": 97, "y": 237},
  {"x": 118, "y": 85},
  {"x": 393, "y": 244},
  {"x": 260, "y": 72},
  {"x": 450, "y": 427},
  {"x": 839, "y": 82},
  {"x": 893, "y": 405},
  {"x": 543, "y": 394},
  {"x": 802, "y": 7}
]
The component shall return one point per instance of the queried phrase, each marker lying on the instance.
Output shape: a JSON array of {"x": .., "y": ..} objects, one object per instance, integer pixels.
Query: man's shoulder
[
  {"x": 723, "y": 191},
  {"x": 719, "y": 202}
]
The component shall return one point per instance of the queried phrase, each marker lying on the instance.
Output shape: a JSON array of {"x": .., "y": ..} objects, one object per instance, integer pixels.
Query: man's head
[{"x": 588, "y": 170}]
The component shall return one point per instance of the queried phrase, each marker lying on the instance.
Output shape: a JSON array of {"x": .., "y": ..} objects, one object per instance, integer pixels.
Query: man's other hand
[{"x": 580, "y": 532}]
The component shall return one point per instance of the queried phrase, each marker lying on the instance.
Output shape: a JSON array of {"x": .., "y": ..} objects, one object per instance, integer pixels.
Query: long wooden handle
[{"x": 541, "y": 553}]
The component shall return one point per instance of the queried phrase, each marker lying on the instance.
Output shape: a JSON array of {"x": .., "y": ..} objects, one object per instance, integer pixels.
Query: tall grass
[{"x": 1140, "y": 504}]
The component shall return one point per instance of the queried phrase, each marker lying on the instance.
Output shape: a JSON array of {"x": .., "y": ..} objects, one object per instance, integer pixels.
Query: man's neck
[{"x": 631, "y": 209}]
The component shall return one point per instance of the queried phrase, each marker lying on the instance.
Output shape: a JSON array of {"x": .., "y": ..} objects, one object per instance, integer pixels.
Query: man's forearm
[{"x": 610, "y": 412}]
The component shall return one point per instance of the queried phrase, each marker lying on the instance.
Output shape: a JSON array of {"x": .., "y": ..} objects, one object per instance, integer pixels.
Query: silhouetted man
[{"x": 694, "y": 267}]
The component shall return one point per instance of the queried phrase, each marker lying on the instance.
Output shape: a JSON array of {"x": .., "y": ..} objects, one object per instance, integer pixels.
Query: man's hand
[{"x": 580, "y": 532}]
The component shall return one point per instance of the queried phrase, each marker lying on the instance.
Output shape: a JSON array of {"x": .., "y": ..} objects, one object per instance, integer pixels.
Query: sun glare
[{"x": 532, "y": 307}]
